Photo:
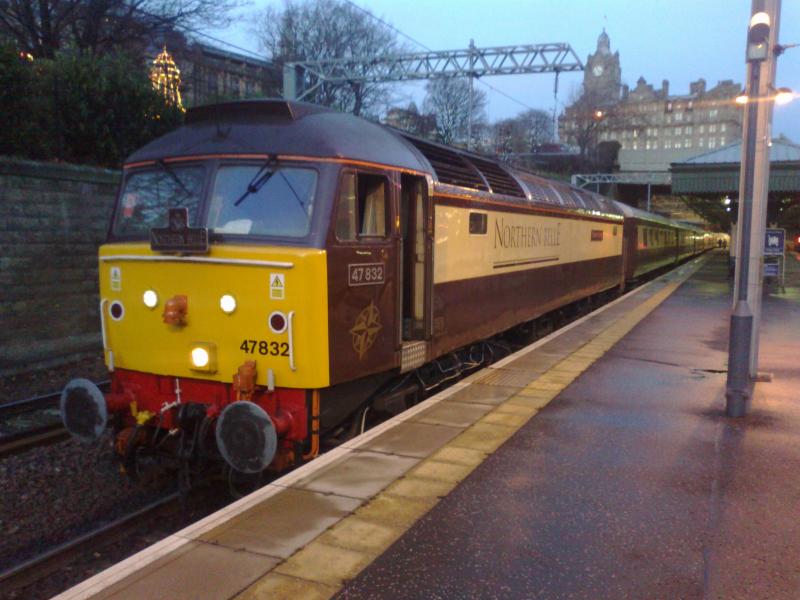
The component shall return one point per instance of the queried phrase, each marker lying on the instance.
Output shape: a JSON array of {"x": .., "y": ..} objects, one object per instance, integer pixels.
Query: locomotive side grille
[
  {"x": 449, "y": 166},
  {"x": 499, "y": 180}
]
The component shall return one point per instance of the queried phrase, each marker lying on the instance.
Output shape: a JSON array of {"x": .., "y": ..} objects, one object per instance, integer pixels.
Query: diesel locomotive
[{"x": 274, "y": 268}]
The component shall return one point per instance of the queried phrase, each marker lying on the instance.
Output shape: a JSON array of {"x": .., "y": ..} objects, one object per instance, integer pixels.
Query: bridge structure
[
  {"x": 643, "y": 178},
  {"x": 302, "y": 78}
]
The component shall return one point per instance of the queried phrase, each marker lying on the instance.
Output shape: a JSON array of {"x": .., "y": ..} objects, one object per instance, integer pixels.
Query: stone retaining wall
[{"x": 53, "y": 217}]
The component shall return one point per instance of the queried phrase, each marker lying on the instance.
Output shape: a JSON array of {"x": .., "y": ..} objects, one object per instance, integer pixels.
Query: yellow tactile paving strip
[{"x": 321, "y": 568}]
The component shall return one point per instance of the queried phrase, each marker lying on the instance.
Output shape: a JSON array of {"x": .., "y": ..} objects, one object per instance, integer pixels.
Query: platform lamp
[{"x": 753, "y": 188}]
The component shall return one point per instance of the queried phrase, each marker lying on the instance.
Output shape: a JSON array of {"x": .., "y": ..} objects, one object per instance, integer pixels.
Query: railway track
[
  {"x": 39, "y": 568},
  {"x": 32, "y": 422}
]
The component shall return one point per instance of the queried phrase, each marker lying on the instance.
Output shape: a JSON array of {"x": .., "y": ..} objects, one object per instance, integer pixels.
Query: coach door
[
  {"x": 416, "y": 245},
  {"x": 362, "y": 278}
]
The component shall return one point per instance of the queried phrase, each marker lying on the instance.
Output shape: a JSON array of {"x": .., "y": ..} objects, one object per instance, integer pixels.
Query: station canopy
[{"x": 716, "y": 172}]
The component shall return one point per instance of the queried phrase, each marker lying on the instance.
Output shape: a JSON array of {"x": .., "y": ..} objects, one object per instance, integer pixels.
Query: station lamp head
[
  {"x": 758, "y": 37},
  {"x": 783, "y": 95}
]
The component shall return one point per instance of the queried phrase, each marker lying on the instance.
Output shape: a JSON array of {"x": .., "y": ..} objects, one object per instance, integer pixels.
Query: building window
[
  {"x": 722, "y": 141},
  {"x": 679, "y": 116},
  {"x": 713, "y": 112},
  {"x": 678, "y": 144},
  {"x": 655, "y": 145},
  {"x": 669, "y": 118},
  {"x": 690, "y": 106},
  {"x": 701, "y": 142},
  {"x": 702, "y": 128},
  {"x": 655, "y": 131},
  {"x": 688, "y": 129},
  {"x": 668, "y": 107},
  {"x": 647, "y": 145},
  {"x": 687, "y": 143},
  {"x": 722, "y": 127},
  {"x": 712, "y": 142},
  {"x": 678, "y": 131},
  {"x": 712, "y": 128},
  {"x": 635, "y": 133},
  {"x": 635, "y": 146},
  {"x": 667, "y": 145}
]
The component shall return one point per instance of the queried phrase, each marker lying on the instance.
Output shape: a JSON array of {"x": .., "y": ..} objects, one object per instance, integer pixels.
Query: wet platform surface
[
  {"x": 596, "y": 463},
  {"x": 632, "y": 483}
]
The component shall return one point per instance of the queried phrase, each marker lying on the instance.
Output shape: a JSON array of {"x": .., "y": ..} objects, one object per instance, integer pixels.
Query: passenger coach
[{"x": 272, "y": 268}]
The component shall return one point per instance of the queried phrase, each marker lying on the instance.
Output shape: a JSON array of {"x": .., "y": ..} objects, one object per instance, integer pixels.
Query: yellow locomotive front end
[
  {"x": 213, "y": 307},
  {"x": 202, "y": 317}
]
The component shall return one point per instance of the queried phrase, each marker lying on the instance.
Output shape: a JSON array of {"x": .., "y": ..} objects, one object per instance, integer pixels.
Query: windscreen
[
  {"x": 262, "y": 201},
  {"x": 148, "y": 195}
]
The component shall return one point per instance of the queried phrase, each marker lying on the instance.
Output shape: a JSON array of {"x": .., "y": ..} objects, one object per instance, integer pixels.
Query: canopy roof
[{"x": 717, "y": 171}]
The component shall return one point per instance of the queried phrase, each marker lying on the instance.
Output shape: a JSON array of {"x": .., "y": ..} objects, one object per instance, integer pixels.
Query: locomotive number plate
[
  {"x": 265, "y": 347},
  {"x": 366, "y": 274}
]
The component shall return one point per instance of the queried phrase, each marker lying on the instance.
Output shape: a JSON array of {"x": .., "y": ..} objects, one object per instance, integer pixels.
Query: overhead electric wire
[
  {"x": 389, "y": 25},
  {"x": 205, "y": 35},
  {"x": 421, "y": 45}
]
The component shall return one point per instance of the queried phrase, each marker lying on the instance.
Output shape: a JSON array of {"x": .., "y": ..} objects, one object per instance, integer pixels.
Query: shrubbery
[{"x": 79, "y": 108}]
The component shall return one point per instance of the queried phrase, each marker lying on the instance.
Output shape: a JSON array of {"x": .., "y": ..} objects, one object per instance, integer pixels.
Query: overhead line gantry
[{"x": 471, "y": 62}]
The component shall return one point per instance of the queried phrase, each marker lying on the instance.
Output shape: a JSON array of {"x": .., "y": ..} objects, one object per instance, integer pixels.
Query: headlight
[
  {"x": 200, "y": 357},
  {"x": 150, "y": 299},
  {"x": 203, "y": 357},
  {"x": 227, "y": 303}
]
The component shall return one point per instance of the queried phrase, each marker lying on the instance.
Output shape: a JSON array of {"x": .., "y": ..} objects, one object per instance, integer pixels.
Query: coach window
[
  {"x": 478, "y": 223},
  {"x": 361, "y": 212}
]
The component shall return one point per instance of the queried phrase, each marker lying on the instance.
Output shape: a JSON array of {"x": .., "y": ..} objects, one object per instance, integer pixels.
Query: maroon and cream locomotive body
[{"x": 274, "y": 270}]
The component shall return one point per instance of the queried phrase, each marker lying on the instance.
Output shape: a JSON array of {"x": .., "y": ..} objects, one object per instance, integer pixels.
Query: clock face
[{"x": 597, "y": 70}]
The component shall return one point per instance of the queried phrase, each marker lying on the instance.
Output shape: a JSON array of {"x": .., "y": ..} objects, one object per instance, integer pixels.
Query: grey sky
[{"x": 679, "y": 40}]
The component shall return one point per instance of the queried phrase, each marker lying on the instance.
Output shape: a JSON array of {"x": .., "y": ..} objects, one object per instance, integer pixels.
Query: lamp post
[{"x": 753, "y": 187}]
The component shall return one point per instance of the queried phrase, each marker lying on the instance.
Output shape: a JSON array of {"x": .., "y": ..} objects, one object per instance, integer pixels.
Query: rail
[
  {"x": 39, "y": 567},
  {"x": 41, "y": 432}
]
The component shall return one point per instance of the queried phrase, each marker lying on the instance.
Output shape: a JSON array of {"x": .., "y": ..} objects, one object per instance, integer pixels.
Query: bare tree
[
  {"x": 43, "y": 27},
  {"x": 449, "y": 100},
  {"x": 326, "y": 29},
  {"x": 521, "y": 134},
  {"x": 582, "y": 120}
]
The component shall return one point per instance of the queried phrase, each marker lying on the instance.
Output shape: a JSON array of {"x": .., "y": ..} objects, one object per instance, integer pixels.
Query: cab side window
[{"x": 362, "y": 206}]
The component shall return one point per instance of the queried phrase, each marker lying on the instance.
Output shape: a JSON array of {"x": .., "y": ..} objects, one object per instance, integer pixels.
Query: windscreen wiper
[
  {"x": 166, "y": 168},
  {"x": 261, "y": 177}
]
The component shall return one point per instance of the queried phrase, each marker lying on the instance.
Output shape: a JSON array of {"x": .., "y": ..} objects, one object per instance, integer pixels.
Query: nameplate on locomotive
[
  {"x": 366, "y": 274},
  {"x": 178, "y": 236}
]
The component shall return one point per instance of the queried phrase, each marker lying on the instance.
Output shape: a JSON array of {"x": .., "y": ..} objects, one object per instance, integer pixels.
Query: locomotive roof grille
[
  {"x": 499, "y": 180},
  {"x": 449, "y": 166}
]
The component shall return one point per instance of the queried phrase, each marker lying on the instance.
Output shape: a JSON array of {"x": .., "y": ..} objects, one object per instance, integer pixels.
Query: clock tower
[{"x": 602, "y": 77}]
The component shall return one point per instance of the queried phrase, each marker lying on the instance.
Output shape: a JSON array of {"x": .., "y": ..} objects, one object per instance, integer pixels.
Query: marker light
[
  {"x": 742, "y": 99},
  {"x": 227, "y": 303},
  {"x": 203, "y": 357},
  {"x": 200, "y": 357},
  {"x": 117, "y": 310},
  {"x": 150, "y": 299},
  {"x": 277, "y": 322}
]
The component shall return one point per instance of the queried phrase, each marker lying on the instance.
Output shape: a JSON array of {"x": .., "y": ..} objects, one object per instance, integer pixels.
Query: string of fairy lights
[{"x": 166, "y": 78}]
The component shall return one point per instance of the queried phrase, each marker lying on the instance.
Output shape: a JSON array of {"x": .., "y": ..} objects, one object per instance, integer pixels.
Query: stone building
[
  {"x": 210, "y": 74},
  {"x": 652, "y": 127},
  {"x": 411, "y": 120}
]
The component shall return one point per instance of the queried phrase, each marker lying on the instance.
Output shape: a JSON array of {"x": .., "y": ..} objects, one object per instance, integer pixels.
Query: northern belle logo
[
  {"x": 520, "y": 245},
  {"x": 508, "y": 235}
]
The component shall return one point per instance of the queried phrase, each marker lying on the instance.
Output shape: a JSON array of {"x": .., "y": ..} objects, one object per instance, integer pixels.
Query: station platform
[{"x": 595, "y": 463}]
